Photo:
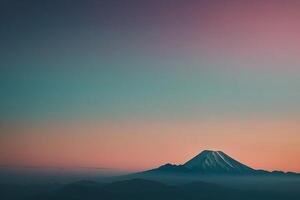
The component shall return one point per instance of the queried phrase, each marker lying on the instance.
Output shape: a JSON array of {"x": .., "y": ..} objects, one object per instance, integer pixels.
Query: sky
[{"x": 131, "y": 85}]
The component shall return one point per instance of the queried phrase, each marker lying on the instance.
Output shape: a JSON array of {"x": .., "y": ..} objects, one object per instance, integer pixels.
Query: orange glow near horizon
[{"x": 134, "y": 146}]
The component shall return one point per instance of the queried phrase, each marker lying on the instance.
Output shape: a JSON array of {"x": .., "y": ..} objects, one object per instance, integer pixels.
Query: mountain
[
  {"x": 212, "y": 162},
  {"x": 191, "y": 185},
  {"x": 216, "y": 162}
]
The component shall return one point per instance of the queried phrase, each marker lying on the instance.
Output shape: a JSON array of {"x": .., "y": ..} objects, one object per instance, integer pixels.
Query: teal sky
[
  {"x": 83, "y": 80},
  {"x": 168, "y": 91},
  {"x": 152, "y": 60}
]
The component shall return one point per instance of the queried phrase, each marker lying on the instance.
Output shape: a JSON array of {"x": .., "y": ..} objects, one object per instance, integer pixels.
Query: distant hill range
[
  {"x": 210, "y": 175},
  {"x": 136, "y": 189},
  {"x": 213, "y": 163}
]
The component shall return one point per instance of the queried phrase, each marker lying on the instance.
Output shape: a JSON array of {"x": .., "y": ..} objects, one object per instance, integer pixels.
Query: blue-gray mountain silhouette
[
  {"x": 216, "y": 162},
  {"x": 213, "y": 162},
  {"x": 257, "y": 184}
]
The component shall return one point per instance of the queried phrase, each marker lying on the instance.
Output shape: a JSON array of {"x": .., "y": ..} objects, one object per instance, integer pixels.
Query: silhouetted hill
[
  {"x": 137, "y": 189},
  {"x": 19, "y": 192},
  {"x": 80, "y": 189},
  {"x": 209, "y": 175}
]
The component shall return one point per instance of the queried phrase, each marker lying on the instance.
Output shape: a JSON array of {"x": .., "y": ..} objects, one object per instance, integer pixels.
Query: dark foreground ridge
[
  {"x": 136, "y": 189},
  {"x": 209, "y": 175}
]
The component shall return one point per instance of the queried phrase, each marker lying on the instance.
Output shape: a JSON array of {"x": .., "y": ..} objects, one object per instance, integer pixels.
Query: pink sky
[
  {"x": 126, "y": 145},
  {"x": 158, "y": 60}
]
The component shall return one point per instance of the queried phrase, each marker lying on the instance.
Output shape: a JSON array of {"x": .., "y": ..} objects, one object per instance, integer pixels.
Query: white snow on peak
[
  {"x": 216, "y": 161},
  {"x": 225, "y": 159}
]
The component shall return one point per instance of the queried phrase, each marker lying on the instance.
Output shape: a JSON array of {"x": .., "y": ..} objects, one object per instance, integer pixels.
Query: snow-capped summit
[
  {"x": 216, "y": 162},
  {"x": 212, "y": 163}
]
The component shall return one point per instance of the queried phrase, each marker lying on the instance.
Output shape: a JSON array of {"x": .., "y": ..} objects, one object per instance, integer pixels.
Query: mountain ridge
[
  {"x": 209, "y": 162},
  {"x": 135, "y": 189}
]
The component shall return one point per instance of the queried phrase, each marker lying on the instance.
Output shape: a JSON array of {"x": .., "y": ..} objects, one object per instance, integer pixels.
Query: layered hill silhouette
[
  {"x": 212, "y": 162},
  {"x": 223, "y": 178},
  {"x": 136, "y": 189}
]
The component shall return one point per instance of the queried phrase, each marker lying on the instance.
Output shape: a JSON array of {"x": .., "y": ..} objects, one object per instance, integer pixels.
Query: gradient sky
[{"x": 131, "y": 85}]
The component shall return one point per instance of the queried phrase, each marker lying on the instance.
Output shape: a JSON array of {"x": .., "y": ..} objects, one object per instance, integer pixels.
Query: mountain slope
[
  {"x": 216, "y": 162},
  {"x": 213, "y": 163}
]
